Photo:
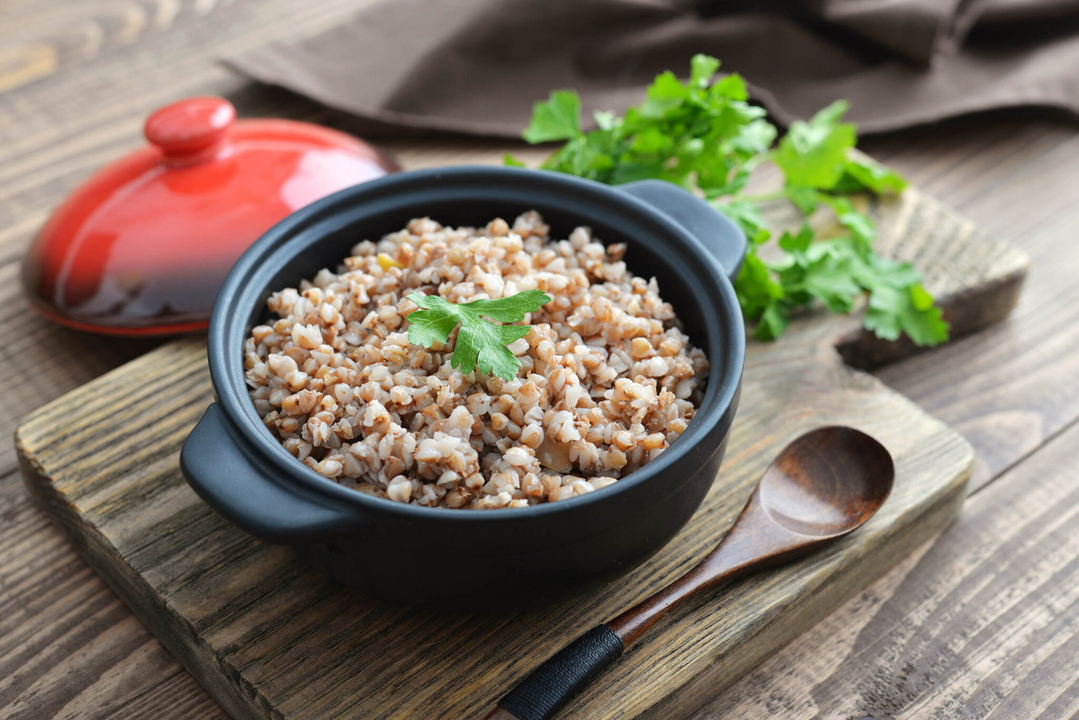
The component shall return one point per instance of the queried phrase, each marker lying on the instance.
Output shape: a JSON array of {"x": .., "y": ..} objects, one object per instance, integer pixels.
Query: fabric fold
[{"x": 477, "y": 66}]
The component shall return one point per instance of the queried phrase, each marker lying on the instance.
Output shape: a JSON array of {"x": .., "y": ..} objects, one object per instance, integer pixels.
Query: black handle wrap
[{"x": 566, "y": 673}]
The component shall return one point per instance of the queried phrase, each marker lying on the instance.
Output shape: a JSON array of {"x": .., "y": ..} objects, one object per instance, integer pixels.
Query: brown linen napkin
[{"x": 477, "y": 66}]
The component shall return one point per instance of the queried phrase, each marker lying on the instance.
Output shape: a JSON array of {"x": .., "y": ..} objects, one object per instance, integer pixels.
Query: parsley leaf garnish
[
  {"x": 909, "y": 310},
  {"x": 814, "y": 154},
  {"x": 705, "y": 136},
  {"x": 480, "y": 342},
  {"x": 557, "y": 119}
]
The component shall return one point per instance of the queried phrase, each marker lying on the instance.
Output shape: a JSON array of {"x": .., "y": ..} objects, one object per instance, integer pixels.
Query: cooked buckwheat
[{"x": 608, "y": 380}]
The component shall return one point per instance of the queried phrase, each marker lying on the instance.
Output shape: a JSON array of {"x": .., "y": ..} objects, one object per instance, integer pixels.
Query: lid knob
[{"x": 191, "y": 130}]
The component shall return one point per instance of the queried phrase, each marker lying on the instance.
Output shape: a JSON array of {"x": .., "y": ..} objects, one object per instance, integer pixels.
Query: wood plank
[
  {"x": 1012, "y": 177},
  {"x": 241, "y": 614},
  {"x": 55, "y": 347},
  {"x": 986, "y": 167},
  {"x": 1016, "y": 384},
  {"x": 92, "y": 656},
  {"x": 48, "y": 359},
  {"x": 57, "y": 129},
  {"x": 54, "y": 131},
  {"x": 792, "y": 384},
  {"x": 984, "y": 623},
  {"x": 975, "y": 290},
  {"x": 56, "y": 147}
]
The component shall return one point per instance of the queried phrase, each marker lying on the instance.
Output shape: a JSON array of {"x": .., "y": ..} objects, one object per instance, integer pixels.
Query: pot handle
[
  {"x": 718, "y": 233},
  {"x": 240, "y": 490}
]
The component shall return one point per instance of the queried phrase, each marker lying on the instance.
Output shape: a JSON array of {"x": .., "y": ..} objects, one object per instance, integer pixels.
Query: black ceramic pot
[{"x": 465, "y": 559}]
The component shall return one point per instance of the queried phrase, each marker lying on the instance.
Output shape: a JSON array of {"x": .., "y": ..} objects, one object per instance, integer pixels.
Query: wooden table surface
[{"x": 984, "y": 623}]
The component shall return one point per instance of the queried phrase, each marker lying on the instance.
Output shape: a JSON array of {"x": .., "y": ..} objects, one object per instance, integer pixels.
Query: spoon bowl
[{"x": 827, "y": 482}]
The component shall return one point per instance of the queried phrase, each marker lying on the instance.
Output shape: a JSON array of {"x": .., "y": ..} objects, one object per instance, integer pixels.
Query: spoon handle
[
  {"x": 569, "y": 671},
  {"x": 557, "y": 681}
]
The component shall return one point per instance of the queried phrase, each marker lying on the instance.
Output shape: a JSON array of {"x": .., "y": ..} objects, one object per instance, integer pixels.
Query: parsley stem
[{"x": 763, "y": 197}]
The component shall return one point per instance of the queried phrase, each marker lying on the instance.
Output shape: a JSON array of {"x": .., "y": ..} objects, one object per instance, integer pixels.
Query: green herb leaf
[
  {"x": 814, "y": 154},
  {"x": 606, "y": 120},
  {"x": 664, "y": 97},
  {"x": 774, "y": 320},
  {"x": 860, "y": 226},
  {"x": 864, "y": 173},
  {"x": 435, "y": 323},
  {"x": 701, "y": 69},
  {"x": 805, "y": 199},
  {"x": 480, "y": 342},
  {"x": 909, "y": 310},
  {"x": 872, "y": 271},
  {"x": 817, "y": 271},
  {"x": 556, "y": 119},
  {"x": 797, "y": 243},
  {"x": 731, "y": 87},
  {"x": 511, "y": 161},
  {"x": 755, "y": 288},
  {"x": 753, "y": 139},
  {"x": 748, "y": 217},
  {"x": 827, "y": 278}
]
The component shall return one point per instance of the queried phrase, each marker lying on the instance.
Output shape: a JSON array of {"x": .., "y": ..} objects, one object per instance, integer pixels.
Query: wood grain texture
[
  {"x": 981, "y": 624},
  {"x": 1009, "y": 389},
  {"x": 823, "y": 485},
  {"x": 975, "y": 289},
  {"x": 830, "y": 481},
  {"x": 230, "y": 607},
  {"x": 1014, "y": 385},
  {"x": 66, "y": 641},
  {"x": 268, "y": 637}
]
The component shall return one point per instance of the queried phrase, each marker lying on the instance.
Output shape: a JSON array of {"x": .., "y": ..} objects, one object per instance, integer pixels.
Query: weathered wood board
[{"x": 269, "y": 638}]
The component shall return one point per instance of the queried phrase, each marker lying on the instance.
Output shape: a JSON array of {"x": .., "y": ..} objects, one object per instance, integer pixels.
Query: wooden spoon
[{"x": 822, "y": 486}]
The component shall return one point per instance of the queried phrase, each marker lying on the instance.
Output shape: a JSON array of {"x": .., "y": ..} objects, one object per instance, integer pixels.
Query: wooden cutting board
[{"x": 269, "y": 638}]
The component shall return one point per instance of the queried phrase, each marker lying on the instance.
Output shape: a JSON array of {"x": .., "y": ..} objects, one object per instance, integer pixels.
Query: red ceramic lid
[{"x": 144, "y": 245}]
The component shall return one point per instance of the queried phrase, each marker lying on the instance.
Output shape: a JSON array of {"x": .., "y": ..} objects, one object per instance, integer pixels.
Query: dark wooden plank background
[{"x": 986, "y": 621}]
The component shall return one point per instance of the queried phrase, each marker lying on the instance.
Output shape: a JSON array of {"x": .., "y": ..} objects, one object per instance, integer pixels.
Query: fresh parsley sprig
[
  {"x": 706, "y": 137},
  {"x": 480, "y": 342}
]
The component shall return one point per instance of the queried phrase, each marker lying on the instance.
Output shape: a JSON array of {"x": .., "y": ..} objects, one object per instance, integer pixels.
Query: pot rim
[{"x": 229, "y": 325}]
